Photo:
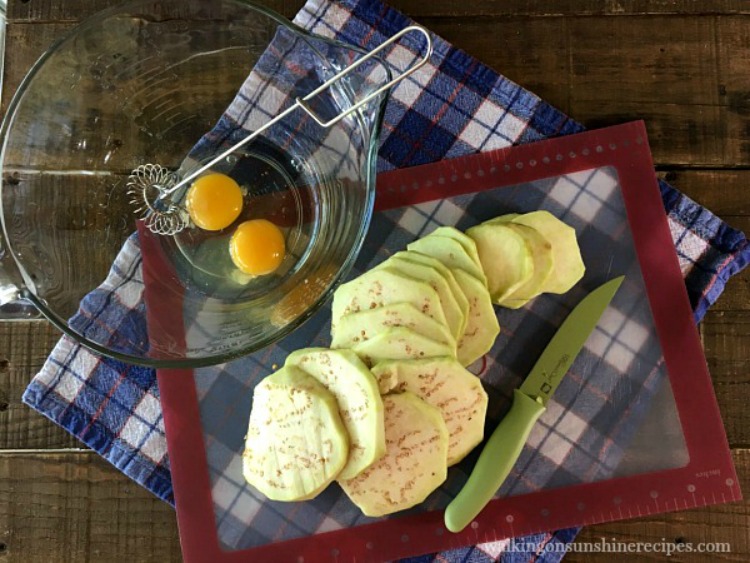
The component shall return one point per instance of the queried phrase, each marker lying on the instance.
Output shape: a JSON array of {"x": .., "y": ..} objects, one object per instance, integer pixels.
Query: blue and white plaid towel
[{"x": 452, "y": 107}]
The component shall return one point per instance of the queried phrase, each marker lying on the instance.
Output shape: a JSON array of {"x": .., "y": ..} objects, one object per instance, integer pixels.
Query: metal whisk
[
  {"x": 151, "y": 185},
  {"x": 147, "y": 186}
]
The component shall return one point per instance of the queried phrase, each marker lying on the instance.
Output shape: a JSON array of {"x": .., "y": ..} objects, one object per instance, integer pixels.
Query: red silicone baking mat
[{"x": 633, "y": 429}]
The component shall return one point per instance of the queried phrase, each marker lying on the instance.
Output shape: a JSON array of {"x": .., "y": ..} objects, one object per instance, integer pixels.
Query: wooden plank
[
  {"x": 724, "y": 192},
  {"x": 726, "y": 341},
  {"x": 737, "y": 295},
  {"x": 113, "y": 113},
  {"x": 23, "y": 347},
  {"x": 640, "y": 77},
  {"x": 62, "y": 507},
  {"x": 603, "y": 71},
  {"x": 636, "y": 74},
  {"x": 72, "y": 10},
  {"x": 691, "y": 122},
  {"x": 733, "y": 44},
  {"x": 557, "y": 8},
  {"x": 24, "y": 45},
  {"x": 42, "y": 11},
  {"x": 71, "y": 235},
  {"x": 725, "y": 523},
  {"x": 70, "y": 507}
]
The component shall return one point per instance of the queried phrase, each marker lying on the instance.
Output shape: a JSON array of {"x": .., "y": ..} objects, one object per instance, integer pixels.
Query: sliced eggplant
[
  {"x": 401, "y": 343},
  {"x": 506, "y": 258},
  {"x": 415, "y": 460},
  {"x": 296, "y": 442},
  {"x": 358, "y": 327},
  {"x": 380, "y": 287},
  {"x": 455, "y": 311},
  {"x": 450, "y": 252},
  {"x": 568, "y": 267},
  {"x": 541, "y": 255},
  {"x": 462, "y": 238},
  {"x": 356, "y": 391},
  {"x": 445, "y": 384},
  {"x": 482, "y": 326}
]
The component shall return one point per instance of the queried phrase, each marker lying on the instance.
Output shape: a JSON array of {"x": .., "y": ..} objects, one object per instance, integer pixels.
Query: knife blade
[{"x": 529, "y": 402}]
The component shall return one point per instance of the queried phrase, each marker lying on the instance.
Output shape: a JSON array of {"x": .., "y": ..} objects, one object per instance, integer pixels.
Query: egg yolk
[
  {"x": 257, "y": 247},
  {"x": 214, "y": 201}
]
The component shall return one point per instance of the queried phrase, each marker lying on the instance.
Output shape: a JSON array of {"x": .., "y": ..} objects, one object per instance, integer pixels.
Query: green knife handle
[{"x": 495, "y": 462}]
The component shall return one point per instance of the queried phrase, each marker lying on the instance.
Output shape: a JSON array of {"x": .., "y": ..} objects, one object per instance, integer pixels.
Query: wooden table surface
[{"x": 682, "y": 65}]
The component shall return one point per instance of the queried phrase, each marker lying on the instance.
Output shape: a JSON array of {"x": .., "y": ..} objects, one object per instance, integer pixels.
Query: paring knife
[{"x": 529, "y": 402}]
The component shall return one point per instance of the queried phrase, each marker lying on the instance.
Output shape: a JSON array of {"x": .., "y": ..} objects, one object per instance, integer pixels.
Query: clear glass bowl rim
[{"x": 209, "y": 360}]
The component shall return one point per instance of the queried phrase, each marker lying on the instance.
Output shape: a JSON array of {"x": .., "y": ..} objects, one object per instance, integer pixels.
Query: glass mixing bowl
[{"x": 175, "y": 83}]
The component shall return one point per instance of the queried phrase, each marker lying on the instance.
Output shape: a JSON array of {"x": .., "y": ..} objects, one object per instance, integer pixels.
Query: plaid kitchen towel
[{"x": 454, "y": 106}]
